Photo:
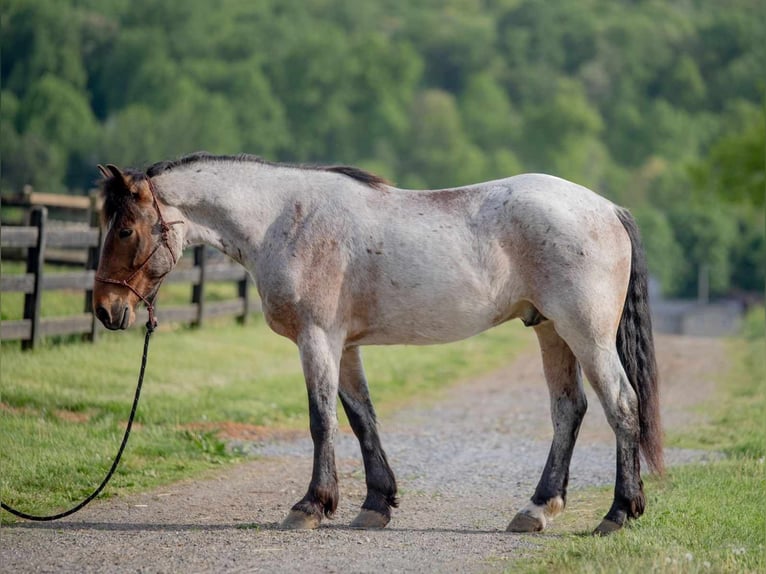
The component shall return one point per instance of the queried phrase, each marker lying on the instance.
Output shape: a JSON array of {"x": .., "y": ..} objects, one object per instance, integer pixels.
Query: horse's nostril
[
  {"x": 125, "y": 317},
  {"x": 103, "y": 315}
]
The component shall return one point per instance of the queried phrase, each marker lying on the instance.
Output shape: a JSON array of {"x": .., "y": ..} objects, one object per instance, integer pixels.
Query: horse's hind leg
[
  {"x": 568, "y": 406},
  {"x": 596, "y": 351},
  {"x": 607, "y": 376},
  {"x": 381, "y": 484}
]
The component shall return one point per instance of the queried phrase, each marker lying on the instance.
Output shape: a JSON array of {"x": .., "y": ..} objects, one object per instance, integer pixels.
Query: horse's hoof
[
  {"x": 370, "y": 519},
  {"x": 299, "y": 520},
  {"x": 524, "y": 522},
  {"x": 606, "y": 527}
]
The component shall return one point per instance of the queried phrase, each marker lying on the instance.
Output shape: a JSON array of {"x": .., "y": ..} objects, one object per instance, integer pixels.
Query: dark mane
[
  {"x": 355, "y": 173},
  {"x": 358, "y": 174},
  {"x": 163, "y": 166}
]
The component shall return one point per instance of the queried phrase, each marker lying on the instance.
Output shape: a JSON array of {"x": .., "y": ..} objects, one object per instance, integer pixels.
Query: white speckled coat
[{"x": 342, "y": 260}]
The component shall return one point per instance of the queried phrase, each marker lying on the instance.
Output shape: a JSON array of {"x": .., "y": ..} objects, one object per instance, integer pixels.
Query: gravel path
[{"x": 465, "y": 464}]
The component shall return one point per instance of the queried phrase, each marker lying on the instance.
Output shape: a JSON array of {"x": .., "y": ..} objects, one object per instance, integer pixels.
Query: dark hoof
[
  {"x": 299, "y": 520},
  {"x": 606, "y": 528},
  {"x": 523, "y": 522},
  {"x": 370, "y": 519}
]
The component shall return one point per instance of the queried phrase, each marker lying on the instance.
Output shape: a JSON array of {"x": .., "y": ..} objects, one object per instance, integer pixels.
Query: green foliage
[
  {"x": 441, "y": 154},
  {"x": 40, "y": 38},
  {"x": 647, "y": 102},
  {"x": 735, "y": 166},
  {"x": 706, "y": 236},
  {"x": 58, "y": 113},
  {"x": 663, "y": 252},
  {"x": 488, "y": 115}
]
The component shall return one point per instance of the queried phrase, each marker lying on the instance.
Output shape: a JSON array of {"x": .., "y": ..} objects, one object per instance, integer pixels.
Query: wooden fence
[{"x": 42, "y": 236}]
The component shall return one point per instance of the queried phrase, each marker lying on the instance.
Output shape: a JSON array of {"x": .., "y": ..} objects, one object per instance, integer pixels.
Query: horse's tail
[{"x": 635, "y": 345}]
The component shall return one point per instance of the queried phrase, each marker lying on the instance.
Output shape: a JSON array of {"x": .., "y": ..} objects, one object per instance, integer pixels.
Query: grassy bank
[
  {"x": 63, "y": 407},
  {"x": 702, "y": 517}
]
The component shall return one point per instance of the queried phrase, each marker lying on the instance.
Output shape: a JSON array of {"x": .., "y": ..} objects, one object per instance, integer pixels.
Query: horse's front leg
[
  {"x": 320, "y": 357},
  {"x": 381, "y": 484}
]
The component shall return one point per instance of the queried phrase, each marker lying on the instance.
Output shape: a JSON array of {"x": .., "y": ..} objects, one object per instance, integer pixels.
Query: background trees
[{"x": 658, "y": 105}]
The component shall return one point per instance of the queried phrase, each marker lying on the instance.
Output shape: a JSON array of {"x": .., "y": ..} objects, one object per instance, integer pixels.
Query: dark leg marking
[
  {"x": 568, "y": 406},
  {"x": 381, "y": 483},
  {"x": 629, "y": 501},
  {"x": 320, "y": 367},
  {"x": 621, "y": 407}
]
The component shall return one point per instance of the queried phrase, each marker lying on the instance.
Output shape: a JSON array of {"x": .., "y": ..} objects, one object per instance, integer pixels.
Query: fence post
[
  {"x": 198, "y": 289},
  {"x": 94, "y": 218},
  {"x": 38, "y": 216},
  {"x": 243, "y": 293},
  {"x": 27, "y": 192}
]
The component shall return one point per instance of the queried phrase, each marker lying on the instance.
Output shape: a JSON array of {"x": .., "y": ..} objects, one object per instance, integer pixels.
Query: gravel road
[{"x": 465, "y": 464}]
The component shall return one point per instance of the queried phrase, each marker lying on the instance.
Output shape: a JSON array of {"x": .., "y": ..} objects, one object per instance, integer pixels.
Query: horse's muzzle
[{"x": 118, "y": 318}]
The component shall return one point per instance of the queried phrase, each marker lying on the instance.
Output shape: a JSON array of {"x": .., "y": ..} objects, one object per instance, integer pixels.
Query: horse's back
[
  {"x": 395, "y": 266},
  {"x": 444, "y": 265}
]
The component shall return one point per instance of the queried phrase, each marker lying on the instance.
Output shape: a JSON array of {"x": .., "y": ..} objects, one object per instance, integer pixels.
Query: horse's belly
[
  {"x": 435, "y": 293},
  {"x": 425, "y": 324}
]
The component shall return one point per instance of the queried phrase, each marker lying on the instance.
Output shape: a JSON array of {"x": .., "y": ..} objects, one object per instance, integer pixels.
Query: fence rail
[{"x": 41, "y": 236}]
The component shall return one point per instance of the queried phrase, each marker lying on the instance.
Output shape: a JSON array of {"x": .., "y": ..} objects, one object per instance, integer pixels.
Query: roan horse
[{"x": 341, "y": 259}]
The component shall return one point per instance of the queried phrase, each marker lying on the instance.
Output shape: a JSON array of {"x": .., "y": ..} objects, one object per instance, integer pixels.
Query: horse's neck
[{"x": 228, "y": 207}]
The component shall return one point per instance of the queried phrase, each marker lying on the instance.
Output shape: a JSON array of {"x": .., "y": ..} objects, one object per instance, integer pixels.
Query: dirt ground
[{"x": 464, "y": 463}]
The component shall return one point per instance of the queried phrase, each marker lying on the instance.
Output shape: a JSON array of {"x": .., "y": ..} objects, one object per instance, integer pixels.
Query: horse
[{"x": 342, "y": 259}]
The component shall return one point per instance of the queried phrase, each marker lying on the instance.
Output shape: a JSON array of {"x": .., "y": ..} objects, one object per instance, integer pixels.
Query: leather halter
[{"x": 164, "y": 241}]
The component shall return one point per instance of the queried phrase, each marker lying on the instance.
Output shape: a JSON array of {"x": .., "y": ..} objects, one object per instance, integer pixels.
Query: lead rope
[{"x": 150, "y": 326}]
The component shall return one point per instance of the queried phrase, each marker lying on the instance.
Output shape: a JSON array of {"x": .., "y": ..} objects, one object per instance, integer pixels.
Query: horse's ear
[
  {"x": 118, "y": 182},
  {"x": 115, "y": 171},
  {"x": 111, "y": 171}
]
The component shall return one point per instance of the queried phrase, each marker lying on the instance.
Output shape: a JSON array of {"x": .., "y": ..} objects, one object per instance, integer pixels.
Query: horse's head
[{"x": 140, "y": 248}]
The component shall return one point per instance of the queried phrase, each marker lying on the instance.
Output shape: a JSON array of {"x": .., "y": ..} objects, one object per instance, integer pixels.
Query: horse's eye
[{"x": 125, "y": 233}]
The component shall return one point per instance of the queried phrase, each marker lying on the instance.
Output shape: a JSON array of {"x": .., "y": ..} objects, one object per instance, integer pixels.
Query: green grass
[
  {"x": 63, "y": 407},
  {"x": 700, "y": 518},
  {"x": 54, "y": 303}
]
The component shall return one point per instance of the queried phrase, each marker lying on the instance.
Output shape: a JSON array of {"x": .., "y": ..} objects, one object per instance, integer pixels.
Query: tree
[
  {"x": 260, "y": 118},
  {"x": 440, "y": 155},
  {"x": 663, "y": 252},
  {"x": 707, "y": 235},
  {"x": 55, "y": 116},
  {"x": 488, "y": 116},
  {"x": 26, "y": 159},
  {"x": 735, "y": 166},
  {"x": 455, "y": 39},
  {"x": 734, "y": 173},
  {"x": 130, "y": 137},
  {"x": 40, "y": 38},
  {"x": 562, "y": 124}
]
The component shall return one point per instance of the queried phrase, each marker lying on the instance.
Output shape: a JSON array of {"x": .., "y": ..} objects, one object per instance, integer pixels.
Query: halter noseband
[{"x": 164, "y": 241}]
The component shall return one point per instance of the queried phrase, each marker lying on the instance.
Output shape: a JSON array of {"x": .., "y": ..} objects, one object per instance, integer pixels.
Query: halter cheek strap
[{"x": 164, "y": 241}]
